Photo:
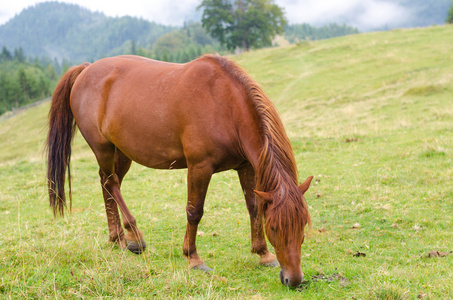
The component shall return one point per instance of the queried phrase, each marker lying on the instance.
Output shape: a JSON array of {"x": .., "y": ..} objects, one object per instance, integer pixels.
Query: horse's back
[{"x": 159, "y": 114}]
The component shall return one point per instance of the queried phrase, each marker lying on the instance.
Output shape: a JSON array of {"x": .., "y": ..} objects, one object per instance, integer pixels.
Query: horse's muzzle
[{"x": 292, "y": 281}]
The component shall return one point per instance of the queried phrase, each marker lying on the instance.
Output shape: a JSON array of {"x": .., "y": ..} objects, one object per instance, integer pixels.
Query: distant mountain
[
  {"x": 371, "y": 15},
  {"x": 68, "y": 31},
  {"x": 425, "y": 12}
]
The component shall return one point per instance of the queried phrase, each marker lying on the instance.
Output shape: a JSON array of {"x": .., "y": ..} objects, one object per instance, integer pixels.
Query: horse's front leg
[
  {"x": 198, "y": 179},
  {"x": 259, "y": 245}
]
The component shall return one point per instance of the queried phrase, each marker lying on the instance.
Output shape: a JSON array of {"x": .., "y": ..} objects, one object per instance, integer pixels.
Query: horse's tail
[{"x": 58, "y": 144}]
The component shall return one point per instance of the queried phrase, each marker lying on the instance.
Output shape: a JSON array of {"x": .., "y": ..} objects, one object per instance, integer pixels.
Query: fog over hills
[{"x": 368, "y": 15}]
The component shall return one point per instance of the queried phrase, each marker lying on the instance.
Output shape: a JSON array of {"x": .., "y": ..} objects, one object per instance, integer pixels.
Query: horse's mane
[{"x": 277, "y": 170}]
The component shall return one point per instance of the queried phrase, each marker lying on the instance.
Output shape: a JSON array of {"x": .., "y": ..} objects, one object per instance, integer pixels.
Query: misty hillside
[
  {"x": 425, "y": 12},
  {"x": 375, "y": 15},
  {"x": 61, "y": 30}
]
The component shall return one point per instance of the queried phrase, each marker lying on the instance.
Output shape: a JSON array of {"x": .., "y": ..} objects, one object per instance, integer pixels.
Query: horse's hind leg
[
  {"x": 259, "y": 246},
  {"x": 116, "y": 233},
  {"x": 113, "y": 167}
]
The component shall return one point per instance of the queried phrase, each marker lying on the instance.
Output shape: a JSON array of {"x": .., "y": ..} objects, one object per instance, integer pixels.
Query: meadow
[{"x": 369, "y": 115}]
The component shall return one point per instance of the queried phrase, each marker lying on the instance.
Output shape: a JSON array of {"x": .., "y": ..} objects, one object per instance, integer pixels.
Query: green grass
[{"x": 370, "y": 115}]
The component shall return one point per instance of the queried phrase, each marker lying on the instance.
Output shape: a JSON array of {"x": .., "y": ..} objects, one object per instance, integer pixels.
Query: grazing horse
[{"x": 207, "y": 116}]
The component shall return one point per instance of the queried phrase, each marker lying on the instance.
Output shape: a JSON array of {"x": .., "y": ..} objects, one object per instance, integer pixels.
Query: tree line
[
  {"x": 21, "y": 81},
  {"x": 299, "y": 32}
]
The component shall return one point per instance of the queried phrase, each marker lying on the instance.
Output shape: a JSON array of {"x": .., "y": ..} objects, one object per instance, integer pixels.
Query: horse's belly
[
  {"x": 156, "y": 152},
  {"x": 159, "y": 160}
]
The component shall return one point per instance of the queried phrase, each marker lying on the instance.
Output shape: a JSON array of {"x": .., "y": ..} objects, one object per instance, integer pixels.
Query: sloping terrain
[{"x": 370, "y": 115}]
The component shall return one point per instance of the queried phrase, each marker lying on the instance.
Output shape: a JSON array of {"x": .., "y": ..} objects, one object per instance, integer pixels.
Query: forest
[{"x": 22, "y": 81}]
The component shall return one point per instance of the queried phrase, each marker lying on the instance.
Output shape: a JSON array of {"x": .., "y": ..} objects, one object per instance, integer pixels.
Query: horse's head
[{"x": 286, "y": 215}]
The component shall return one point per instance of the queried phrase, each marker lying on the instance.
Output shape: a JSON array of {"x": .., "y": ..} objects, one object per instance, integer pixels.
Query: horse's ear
[
  {"x": 304, "y": 186},
  {"x": 264, "y": 195}
]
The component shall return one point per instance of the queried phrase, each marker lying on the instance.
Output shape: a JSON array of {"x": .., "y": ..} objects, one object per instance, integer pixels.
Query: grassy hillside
[{"x": 370, "y": 115}]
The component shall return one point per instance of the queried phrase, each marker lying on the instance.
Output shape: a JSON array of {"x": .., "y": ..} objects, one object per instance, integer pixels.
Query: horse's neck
[{"x": 251, "y": 142}]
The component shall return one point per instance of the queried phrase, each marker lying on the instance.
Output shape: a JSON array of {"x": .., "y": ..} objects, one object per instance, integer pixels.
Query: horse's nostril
[{"x": 284, "y": 280}]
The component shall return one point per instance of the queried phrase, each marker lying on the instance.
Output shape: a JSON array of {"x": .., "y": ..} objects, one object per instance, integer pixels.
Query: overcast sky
[{"x": 363, "y": 14}]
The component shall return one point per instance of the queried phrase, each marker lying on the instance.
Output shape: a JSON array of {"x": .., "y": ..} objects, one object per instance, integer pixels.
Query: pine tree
[{"x": 5, "y": 54}]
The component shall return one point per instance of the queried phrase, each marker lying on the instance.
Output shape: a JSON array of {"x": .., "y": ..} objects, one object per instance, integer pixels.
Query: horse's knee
[{"x": 194, "y": 214}]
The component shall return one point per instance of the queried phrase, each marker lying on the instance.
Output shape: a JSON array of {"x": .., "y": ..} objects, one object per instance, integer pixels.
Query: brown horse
[{"x": 207, "y": 116}]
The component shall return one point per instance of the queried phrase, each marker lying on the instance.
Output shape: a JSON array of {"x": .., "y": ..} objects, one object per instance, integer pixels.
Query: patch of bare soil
[
  {"x": 342, "y": 281},
  {"x": 438, "y": 254}
]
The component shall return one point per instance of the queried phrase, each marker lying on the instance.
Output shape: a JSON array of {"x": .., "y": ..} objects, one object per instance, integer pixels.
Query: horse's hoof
[
  {"x": 273, "y": 263},
  {"x": 136, "y": 247},
  {"x": 202, "y": 267}
]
